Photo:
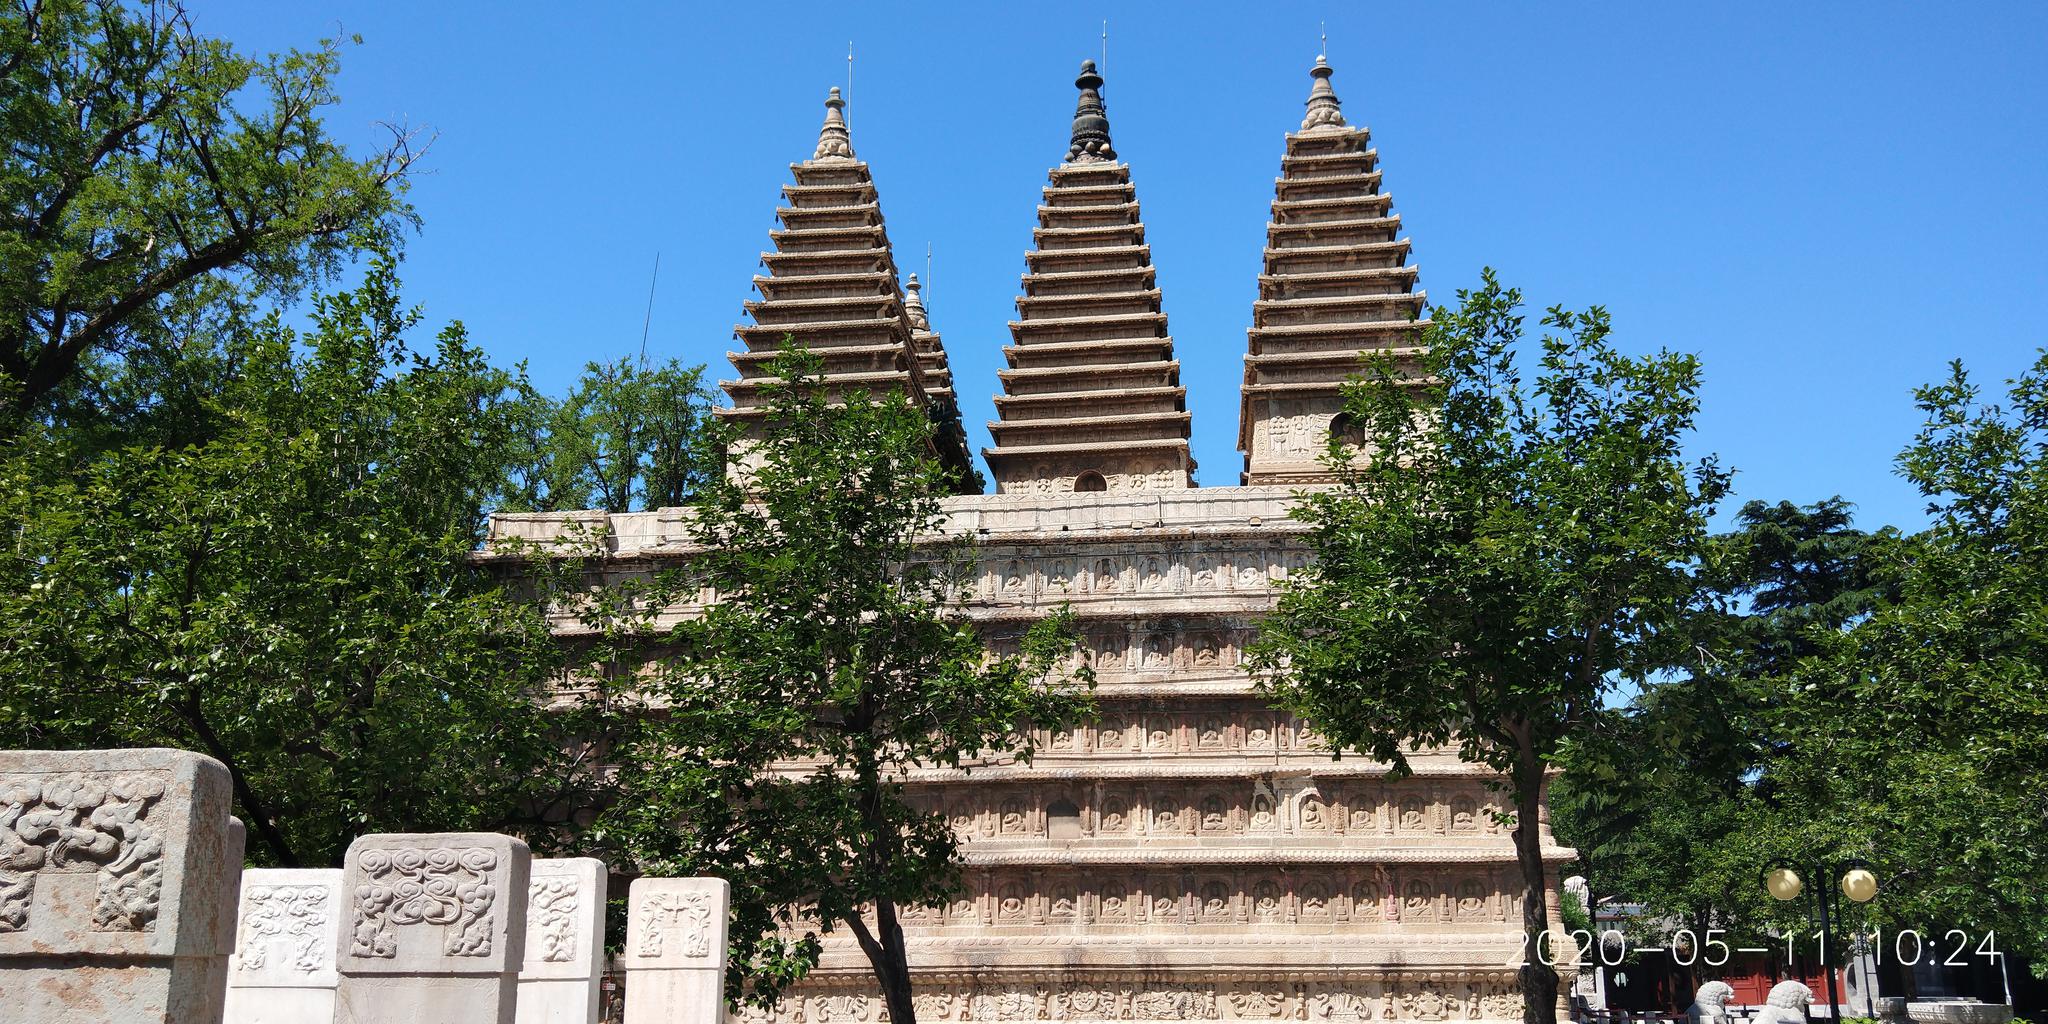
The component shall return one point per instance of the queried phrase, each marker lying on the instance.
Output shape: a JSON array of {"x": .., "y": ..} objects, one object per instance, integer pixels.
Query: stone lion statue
[
  {"x": 1786, "y": 1005},
  {"x": 1710, "y": 1004}
]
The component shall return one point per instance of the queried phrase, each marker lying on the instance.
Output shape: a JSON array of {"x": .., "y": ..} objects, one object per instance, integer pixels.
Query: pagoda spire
[
  {"x": 834, "y": 141},
  {"x": 913, "y": 304},
  {"x": 1091, "y": 121},
  {"x": 831, "y": 286},
  {"x": 1337, "y": 286},
  {"x": 1324, "y": 108},
  {"x": 1092, "y": 399}
]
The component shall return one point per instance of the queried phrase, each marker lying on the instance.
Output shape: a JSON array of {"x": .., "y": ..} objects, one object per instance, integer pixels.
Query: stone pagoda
[
  {"x": 831, "y": 287},
  {"x": 1193, "y": 854},
  {"x": 1337, "y": 286},
  {"x": 1092, "y": 398}
]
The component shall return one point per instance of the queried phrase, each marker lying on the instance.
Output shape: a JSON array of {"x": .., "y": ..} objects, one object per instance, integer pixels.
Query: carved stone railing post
[
  {"x": 433, "y": 928},
  {"x": 558, "y": 983},
  {"x": 114, "y": 869},
  {"x": 675, "y": 950},
  {"x": 283, "y": 968}
]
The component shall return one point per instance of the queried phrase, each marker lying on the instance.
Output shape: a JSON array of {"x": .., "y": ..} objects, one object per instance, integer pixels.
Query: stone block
[
  {"x": 283, "y": 970},
  {"x": 558, "y": 982},
  {"x": 434, "y": 929},
  {"x": 1958, "y": 1011},
  {"x": 675, "y": 950},
  {"x": 117, "y": 870}
]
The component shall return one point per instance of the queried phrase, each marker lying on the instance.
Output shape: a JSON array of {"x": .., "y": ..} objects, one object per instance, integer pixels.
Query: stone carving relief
[
  {"x": 52, "y": 824},
  {"x": 689, "y": 910},
  {"x": 289, "y": 922},
  {"x": 1438, "y": 996},
  {"x": 1264, "y": 896},
  {"x": 1329, "y": 808},
  {"x": 551, "y": 905},
  {"x": 447, "y": 887}
]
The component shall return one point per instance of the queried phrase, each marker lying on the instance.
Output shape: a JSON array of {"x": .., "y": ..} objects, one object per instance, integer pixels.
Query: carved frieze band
[
  {"x": 1438, "y": 996},
  {"x": 80, "y": 823},
  {"x": 1370, "y": 896},
  {"x": 1138, "y": 570},
  {"x": 1122, "y": 811}
]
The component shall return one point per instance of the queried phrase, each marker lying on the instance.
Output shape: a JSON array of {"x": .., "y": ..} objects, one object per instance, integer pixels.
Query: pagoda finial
[
  {"x": 834, "y": 141},
  {"x": 1323, "y": 105},
  {"x": 913, "y": 304},
  {"x": 1091, "y": 122}
]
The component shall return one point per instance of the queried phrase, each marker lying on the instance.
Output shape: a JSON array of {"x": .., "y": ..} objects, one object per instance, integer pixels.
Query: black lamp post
[{"x": 1781, "y": 880}]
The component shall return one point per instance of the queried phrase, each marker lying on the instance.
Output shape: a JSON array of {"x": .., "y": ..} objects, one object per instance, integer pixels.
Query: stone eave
[
  {"x": 1274, "y": 232},
  {"x": 795, "y": 191},
  {"x": 1110, "y": 320},
  {"x": 1179, "y": 444},
  {"x": 1088, "y": 168},
  {"x": 888, "y": 323},
  {"x": 1070, "y": 397},
  {"x": 1088, "y": 371},
  {"x": 1406, "y": 272},
  {"x": 1037, "y": 256},
  {"x": 1052, "y": 425},
  {"x": 742, "y": 360},
  {"x": 1288, "y": 161},
  {"x": 1119, "y": 235},
  {"x": 1086, "y": 299},
  {"x": 873, "y": 235}
]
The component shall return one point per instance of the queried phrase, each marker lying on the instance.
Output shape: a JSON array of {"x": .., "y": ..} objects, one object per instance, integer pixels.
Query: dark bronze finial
[{"x": 1091, "y": 122}]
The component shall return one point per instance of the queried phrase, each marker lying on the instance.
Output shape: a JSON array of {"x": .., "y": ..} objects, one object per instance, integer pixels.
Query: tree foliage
[
  {"x": 1502, "y": 552},
  {"x": 152, "y": 173},
  {"x": 836, "y": 665},
  {"x": 1672, "y": 803},
  {"x": 293, "y": 592},
  {"x": 1916, "y": 737},
  {"x": 626, "y": 437}
]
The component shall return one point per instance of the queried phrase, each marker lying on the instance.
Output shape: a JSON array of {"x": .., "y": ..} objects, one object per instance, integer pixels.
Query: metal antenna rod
[
  {"x": 1326, "y": 37},
  {"x": 649, "y": 320},
  {"x": 849, "y": 71},
  {"x": 927, "y": 273},
  {"x": 1105, "y": 46}
]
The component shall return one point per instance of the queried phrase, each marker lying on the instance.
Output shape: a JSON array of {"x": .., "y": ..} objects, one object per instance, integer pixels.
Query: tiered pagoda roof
[
  {"x": 831, "y": 287},
  {"x": 1092, "y": 397},
  {"x": 1337, "y": 285}
]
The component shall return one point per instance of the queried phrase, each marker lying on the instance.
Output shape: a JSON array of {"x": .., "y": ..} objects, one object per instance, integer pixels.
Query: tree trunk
[
  {"x": 888, "y": 958},
  {"x": 1539, "y": 978}
]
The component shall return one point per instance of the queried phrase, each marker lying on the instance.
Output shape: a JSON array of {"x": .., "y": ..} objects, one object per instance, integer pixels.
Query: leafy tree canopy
[
  {"x": 1501, "y": 553},
  {"x": 151, "y": 174},
  {"x": 837, "y": 664},
  {"x": 293, "y": 592}
]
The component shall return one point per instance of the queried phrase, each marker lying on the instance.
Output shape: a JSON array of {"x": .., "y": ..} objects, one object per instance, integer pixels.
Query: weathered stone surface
[
  {"x": 283, "y": 969},
  {"x": 1958, "y": 1011},
  {"x": 675, "y": 950},
  {"x": 115, "y": 868},
  {"x": 558, "y": 983},
  {"x": 434, "y": 929}
]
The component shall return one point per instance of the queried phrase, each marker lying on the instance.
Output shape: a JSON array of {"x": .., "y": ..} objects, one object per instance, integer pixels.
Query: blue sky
[{"x": 1826, "y": 202}]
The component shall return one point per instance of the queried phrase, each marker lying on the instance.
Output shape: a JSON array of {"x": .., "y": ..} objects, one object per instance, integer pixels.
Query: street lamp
[{"x": 1781, "y": 880}]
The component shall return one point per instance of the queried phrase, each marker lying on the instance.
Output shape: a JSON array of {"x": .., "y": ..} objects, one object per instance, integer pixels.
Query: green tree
[
  {"x": 295, "y": 594},
  {"x": 1914, "y": 739},
  {"x": 1666, "y": 800},
  {"x": 150, "y": 172},
  {"x": 836, "y": 662},
  {"x": 627, "y": 437},
  {"x": 1501, "y": 554}
]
